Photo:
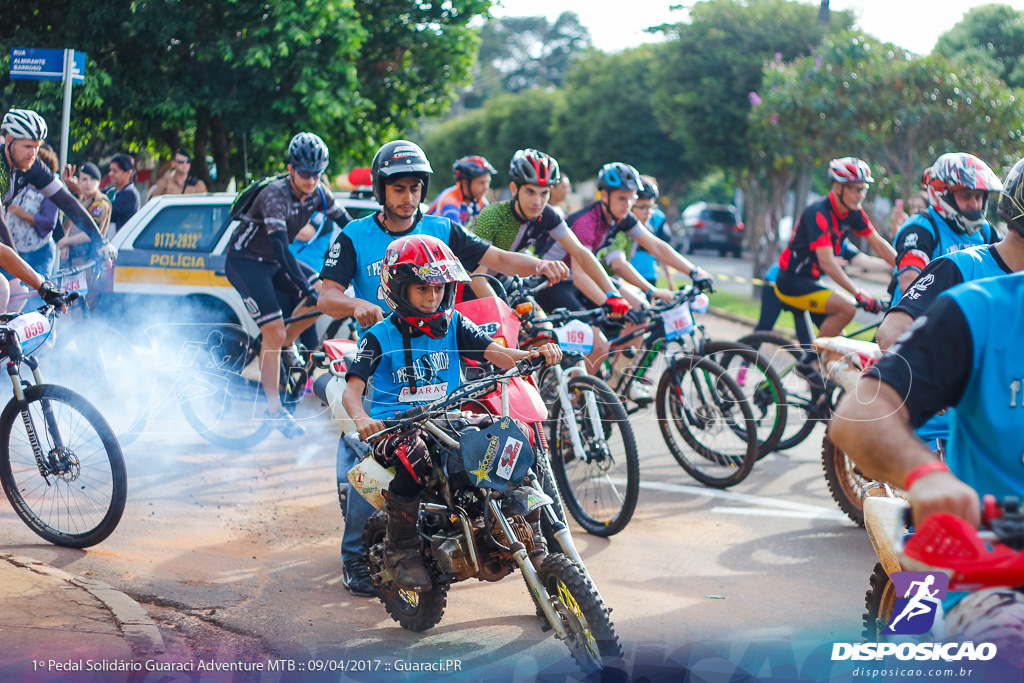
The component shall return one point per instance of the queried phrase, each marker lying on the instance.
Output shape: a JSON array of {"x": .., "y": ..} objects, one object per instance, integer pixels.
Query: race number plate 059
[
  {"x": 678, "y": 321},
  {"x": 32, "y": 330},
  {"x": 575, "y": 337}
]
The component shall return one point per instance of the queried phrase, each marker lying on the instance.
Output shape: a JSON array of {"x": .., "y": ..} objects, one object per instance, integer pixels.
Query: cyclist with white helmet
[
  {"x": 819, "y": 238},
  {"x": 958, "y": 185},
  {"x": 463, "y": 201},
  {"x": 259, "y": 263},
  {"x": 24, "y": 132}
]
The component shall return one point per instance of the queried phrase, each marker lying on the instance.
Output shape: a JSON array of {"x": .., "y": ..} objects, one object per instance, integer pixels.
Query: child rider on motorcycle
[{"x": 412, "y": 357}]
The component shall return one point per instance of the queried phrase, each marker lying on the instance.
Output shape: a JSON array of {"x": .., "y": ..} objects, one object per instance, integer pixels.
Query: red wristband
[{"x": 922, "y": 470}]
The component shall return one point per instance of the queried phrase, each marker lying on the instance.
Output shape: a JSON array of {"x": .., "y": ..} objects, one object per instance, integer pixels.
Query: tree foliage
[
  {"x": 707, "y": 70},
  {"x": 227, "y": 72},
  {"x": 989, "y": 37},
  {"x": 608, "y": 116}
]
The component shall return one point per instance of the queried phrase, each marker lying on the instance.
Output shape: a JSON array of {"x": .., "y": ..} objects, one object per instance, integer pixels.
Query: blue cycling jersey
[
  {"x": 987, "y": 437},
  {"x": 435, "y": 364},
  {"x": 935, "y": 238}
]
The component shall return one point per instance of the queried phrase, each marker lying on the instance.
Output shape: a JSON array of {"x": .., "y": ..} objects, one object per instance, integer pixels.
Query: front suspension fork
[{"x": 51, "y": 421}]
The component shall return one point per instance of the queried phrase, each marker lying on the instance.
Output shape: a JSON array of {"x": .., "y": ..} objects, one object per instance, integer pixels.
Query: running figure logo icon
[{"x": 921, "y": 592}]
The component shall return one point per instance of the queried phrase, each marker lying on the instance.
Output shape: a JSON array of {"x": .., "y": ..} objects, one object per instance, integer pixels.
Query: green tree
[
  {"x": 705, "y": 73},
  {"x": 991, "y": 37},
  {"x": 236, "y": 72},
  {"x": 607, "y": 116}
]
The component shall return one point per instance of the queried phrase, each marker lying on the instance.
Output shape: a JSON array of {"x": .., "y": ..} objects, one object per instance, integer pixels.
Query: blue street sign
[{"x": 37, "y": 64}]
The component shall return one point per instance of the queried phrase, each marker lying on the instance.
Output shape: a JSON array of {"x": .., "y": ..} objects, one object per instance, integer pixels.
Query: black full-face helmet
[{"x": 1011, "y": 201}]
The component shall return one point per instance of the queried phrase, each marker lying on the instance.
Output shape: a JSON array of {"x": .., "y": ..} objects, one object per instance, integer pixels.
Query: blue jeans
[
  {"x": 42, "y": 259},
  {"x": 357, "y": 509}
]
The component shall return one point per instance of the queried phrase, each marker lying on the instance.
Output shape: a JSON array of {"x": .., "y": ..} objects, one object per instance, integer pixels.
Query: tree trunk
[
  {"x": 199, "y": 167},
  {"x": 221, "y": 152},
  {"x": 824, "y": 16},
  {"x": 754, "y": 214}
]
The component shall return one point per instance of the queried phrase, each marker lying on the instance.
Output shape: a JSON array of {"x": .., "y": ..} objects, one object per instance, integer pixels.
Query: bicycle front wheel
[
  {"x": 76, "y": 495},
  {"x": 762, "y": 386},
  {"x": 700, "y": 401},
  {"x": 600, "y": 476}
]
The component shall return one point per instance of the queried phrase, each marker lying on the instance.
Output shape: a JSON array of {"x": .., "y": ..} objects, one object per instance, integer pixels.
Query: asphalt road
[{"x": 248, "y": 543}]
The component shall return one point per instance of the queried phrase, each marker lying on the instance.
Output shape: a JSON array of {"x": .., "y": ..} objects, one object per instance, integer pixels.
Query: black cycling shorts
[
  {"x": 563, "y": 295},
  {"x": 261, "y": 285}
]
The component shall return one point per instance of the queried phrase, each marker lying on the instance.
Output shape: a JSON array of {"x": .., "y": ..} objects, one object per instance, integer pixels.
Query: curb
[{"x": 138, "y": 629}]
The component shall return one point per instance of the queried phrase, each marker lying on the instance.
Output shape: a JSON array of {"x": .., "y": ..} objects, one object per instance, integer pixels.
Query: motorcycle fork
[
  {"x": 565, "y": 542},
  {"x": 519, "y": 554}
]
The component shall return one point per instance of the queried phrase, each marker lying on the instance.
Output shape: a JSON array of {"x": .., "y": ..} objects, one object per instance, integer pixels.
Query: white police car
[{"x": 170, "y": 259}]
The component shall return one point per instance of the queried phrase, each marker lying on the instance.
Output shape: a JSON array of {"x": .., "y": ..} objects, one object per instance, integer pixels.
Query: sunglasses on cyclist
[{"x": 306, "y": 175}]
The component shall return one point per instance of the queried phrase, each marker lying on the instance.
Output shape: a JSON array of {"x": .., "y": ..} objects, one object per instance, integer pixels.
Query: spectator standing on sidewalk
[
  {"x": 74, "y": 245},
  {"x": 178, "y": 180},
  {"x": 32, "y": 217},
  {"x": 124, "y": 198}
]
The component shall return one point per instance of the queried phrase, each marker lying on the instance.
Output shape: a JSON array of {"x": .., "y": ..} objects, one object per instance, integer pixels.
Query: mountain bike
[
  {"x": 224, "y": 407},
  {"x": 807, "y": 405},
  {"x": 60, "y": 463},
  {"x": 594, "y": 458},
  {"x": 752, "y": 372}
]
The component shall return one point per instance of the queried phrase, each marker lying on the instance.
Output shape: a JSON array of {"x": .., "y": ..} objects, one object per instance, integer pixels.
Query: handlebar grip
[{"x": 527, "y": 365}]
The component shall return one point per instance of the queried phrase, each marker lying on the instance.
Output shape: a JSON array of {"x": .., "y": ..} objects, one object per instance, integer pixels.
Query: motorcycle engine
[{"x": 449, "y": 552}]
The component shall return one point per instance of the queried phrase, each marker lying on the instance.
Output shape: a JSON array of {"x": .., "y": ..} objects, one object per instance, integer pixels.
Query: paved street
[{"x": 242, "y": 548}]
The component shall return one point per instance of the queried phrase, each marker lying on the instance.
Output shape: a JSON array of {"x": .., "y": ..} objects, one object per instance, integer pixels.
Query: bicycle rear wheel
[
  {"x": 222, "y": 406},
  {"x": 601, "y": 484},
  {"x": 79, "y": 500},
  {"x": 762, "y": 386},
  {"x": 699, "y": 401}
]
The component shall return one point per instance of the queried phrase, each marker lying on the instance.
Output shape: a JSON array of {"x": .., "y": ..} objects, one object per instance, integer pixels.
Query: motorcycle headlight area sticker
[{"x": 497, "y": 456}]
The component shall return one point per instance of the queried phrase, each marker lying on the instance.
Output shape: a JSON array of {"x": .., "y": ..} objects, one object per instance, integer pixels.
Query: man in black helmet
[
  {"x": 399, "y": 174},
  {"x": 260, "y": 265}
]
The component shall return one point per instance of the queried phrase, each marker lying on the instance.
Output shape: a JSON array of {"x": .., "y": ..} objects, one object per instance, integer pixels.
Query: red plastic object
[
  {"x": 495, "y": 317},
  {"x": 947, "y": 542}
]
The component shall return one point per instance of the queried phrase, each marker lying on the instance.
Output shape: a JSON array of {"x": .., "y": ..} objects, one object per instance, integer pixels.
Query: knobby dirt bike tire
[
  {"x": 599, "y": 505},
  {"x": 767, "y": 396},
  {"x": 592, "y": 640},
  {"x": 845, "y": 482},
  {"x": 413, "y": 610},
  {"x": 82, "y": 506},
  {"x": 799, "y": 424},
  {"x": 879, "y": 604},
  {"x": 717, "y": 407}
]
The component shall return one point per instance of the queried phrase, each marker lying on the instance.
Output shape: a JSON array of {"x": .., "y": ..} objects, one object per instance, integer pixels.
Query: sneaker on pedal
[
  {"x": 809, "y": 371},
  {"x": 251, "y": 371},
  {"x": 292, "y": 358},
  {"x": 355, "y": 576},
  {"x": 285, "y": 423},
  {"x": 640, "y": 392}
]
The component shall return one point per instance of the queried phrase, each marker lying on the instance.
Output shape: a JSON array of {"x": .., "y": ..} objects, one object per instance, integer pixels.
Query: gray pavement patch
[{"x": 138, "y": 629}]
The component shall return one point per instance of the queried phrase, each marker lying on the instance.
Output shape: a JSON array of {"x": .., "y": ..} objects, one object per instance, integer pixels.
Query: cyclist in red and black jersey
[{"x": 818, "y": 240}]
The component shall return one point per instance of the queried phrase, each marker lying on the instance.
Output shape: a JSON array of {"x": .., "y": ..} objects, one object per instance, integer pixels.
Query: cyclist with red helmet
[
  {"x": 958, "y": 185},
  {"x": 399, "y": 174},
  {"x": 819, "y": 238},
  {"x": 413, "y": 358},
  {"x": 463, "y": 201}
]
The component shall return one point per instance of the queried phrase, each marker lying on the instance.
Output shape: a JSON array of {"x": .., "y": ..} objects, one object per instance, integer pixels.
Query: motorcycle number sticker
[
  {"x": 509, "y": 455},
  {"x": 575, "y": 337},
  {"x": 678, "y": 321}
]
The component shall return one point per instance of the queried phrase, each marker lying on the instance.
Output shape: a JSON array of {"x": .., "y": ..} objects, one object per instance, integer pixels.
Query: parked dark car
[{"x": 712, "y": 226}]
